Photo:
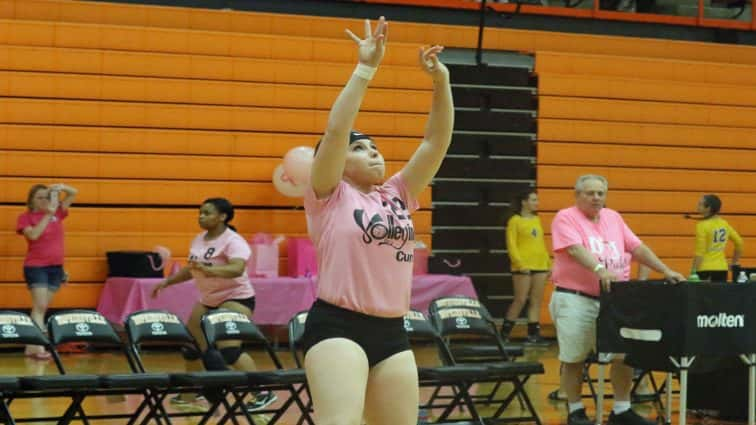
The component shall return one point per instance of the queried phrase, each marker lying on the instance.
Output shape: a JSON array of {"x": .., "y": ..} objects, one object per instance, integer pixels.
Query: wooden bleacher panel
[
  {"x": 162, "y": 141},
  {"x": 143, "y": 166},
  {"x": 159, "y": 192},
  {"x": 697, "y": 182},
  {"x": 243, "y": 23},
  {"x": 634, "y": 133},
  {"x": 200, "y": 92},
  {"x": 645, "y": 111},
  {"x": 177, "y": 220},
  {"x": 200, "y": 117},
  {"x": 610, "y": 87},
  {"x": 654, "y": 157},
  {"x": 643, "y": 67},
  {"x": 220, "y": 68}
]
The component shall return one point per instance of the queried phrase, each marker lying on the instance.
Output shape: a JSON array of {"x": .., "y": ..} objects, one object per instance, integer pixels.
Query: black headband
[{"x": 356, "y": 135}]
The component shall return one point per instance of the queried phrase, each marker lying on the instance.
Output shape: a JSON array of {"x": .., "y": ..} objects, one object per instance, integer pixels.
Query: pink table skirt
[{"x": 277, "y": 299}]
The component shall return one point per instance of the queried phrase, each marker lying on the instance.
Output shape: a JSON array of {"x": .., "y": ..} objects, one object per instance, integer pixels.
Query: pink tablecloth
[
  {"x": 428, "y": 287},
  {"x": 277, "y": 299}
]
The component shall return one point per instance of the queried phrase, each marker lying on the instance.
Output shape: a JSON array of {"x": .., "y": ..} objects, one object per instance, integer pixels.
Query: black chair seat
[
  {"x": 210, "y": 379},
  {"x": 460, "y": 353},
  {"x": 134, "y": 380},
  {"x": 58, "y": 382},
  {"x": 8, "y": 383},
  {"x": 512, "y": 369},
  {"x": 282, "y": 377},
  {"x": 453, "y": 374}
]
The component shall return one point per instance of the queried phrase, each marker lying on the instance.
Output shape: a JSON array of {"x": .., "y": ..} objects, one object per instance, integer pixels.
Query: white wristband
[
  {"x": 598, "y": 267},
  {"x": 365, "y": 72}
]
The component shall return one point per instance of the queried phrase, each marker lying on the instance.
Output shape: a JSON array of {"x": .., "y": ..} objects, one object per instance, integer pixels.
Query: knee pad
[
  {"x": 190, "y": 353},
  {"x": 213, "y": 360},
  {"x": 231, "y": 354}
]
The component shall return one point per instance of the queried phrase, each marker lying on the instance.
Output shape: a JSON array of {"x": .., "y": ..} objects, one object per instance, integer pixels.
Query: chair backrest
[
  {"x": 18, "y": 328},
  {"x": 420, "y": 329},
  {"x": 296, "y": 332},
  {"x": 158, "y": 326},
  {"x": 462, "y": 316},
  {"x": 461, "y": 301},
  {"x": 81, "y": 326},
  {"x": 228, "y": 325}
]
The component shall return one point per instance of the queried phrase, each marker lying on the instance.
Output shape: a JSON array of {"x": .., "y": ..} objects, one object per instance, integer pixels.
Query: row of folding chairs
[
  {"x": 469, "y": 348},
  {"x": 225, "y": 390}
]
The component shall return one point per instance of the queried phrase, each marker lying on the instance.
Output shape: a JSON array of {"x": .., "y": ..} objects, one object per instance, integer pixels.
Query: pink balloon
[
  {"x": 285, "y": 186},
  {"x": 297, "y": 164}
]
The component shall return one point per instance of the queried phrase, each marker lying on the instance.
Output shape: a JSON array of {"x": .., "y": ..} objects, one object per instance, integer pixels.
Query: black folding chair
[
  {"x": 91, "y": 327},
  {"x": 18, "y": 330},
  {"x": 163, "y": 328},
  {"x": 471, "y": 320},
  {"x": 296, "y": 332},
  {"x": 460, "y": 378},
  {"x": 478, "y": 350},
  {"x": 226, "y": 325}
]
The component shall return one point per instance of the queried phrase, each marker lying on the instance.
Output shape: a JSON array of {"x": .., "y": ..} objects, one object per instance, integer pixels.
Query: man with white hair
[{"x": 593, "y": 247}]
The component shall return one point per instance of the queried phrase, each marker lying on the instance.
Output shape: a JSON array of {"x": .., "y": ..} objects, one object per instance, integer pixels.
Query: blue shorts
[{"x": 49, "y": 277}]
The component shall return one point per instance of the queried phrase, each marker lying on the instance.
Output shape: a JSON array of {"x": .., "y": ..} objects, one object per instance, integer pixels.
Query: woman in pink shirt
[
  {"x": 357, "y": 356},
  {"x": 218, "y": 264},
  {"x": 42, "y": 226}
]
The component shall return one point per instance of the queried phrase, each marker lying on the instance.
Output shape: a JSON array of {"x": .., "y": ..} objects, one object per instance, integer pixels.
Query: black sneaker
[
  {"x": 629, "y": 417},
  {"x": 537, "y": 340},
  {"x": 579, "y": 417},
  {"x": 263, "y": 399}
]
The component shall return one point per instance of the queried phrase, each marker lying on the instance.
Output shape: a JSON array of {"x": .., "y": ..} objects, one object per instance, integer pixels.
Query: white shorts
[{"x": 574, "y": 318}]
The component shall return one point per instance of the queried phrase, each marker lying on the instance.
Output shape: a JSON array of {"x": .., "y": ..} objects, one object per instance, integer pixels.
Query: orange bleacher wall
[{"x": 145, "y": 106}]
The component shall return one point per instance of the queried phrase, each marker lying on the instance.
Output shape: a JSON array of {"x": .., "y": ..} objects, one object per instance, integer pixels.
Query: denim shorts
[{"x": 49, "y": 277}]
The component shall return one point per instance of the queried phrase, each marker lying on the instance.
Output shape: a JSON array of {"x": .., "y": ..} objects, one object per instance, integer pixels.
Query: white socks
[
  {"x": 575, "y": 406},
  {"x": 621, "y": 407}
]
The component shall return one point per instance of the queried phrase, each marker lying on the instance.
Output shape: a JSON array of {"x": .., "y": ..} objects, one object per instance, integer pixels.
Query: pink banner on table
[
  {"x": 428, "y": 287},
  {"x": 276, "y": 299},
  {"x": 122, "y": 296},
  {"x": 279, "y": 299}
]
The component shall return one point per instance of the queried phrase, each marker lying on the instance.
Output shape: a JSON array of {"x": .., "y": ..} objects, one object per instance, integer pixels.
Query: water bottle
[
  {"x": 742, "y": 277},
  {"x": 423, "y": 416}
]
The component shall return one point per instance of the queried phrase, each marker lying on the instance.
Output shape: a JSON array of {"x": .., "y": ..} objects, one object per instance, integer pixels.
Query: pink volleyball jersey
[
  {"x": 48, "y": 249},
  {"x": 215, "y": 290},
  {"x": 365, "y": 243},
  {"x": 609, "y": 240}
]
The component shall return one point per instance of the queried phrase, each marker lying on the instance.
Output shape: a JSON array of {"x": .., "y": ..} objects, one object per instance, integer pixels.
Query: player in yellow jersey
[
  {"x": 712, "y": 234},
  {"x": 530, "y": 264}
]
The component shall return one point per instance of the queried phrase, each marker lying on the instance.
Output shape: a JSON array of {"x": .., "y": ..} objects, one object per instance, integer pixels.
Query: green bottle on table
[{"x": 693, "y": 277}]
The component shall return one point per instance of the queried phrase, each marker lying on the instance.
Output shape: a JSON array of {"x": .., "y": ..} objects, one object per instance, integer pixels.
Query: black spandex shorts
[
  {"x": 530, "y": 272},
  {"x": 247, "y": 302},
  {"x": 380, "y": 337},
  {"x": 713, "y": 275}
]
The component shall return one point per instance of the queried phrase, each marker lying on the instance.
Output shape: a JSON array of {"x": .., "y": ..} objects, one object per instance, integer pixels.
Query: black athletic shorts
[{"x": 380, "y": 337}]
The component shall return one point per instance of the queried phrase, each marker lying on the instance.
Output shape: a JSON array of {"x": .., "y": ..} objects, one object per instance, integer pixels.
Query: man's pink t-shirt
[
  {"x": 215, "y": 290},
  {"x": 365, "y": 244},
  {"x": 609, "y": 240},
  {"x": 47, "y": 250}
]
